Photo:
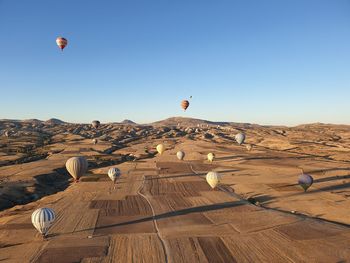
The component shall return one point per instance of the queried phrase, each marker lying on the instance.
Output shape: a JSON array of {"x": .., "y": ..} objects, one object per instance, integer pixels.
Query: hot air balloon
[
  {"x": 213, "y": 179},
  {"x": 185, "y": 104},
  {"x": 305, "y": 181},
  {"x": 211, "y": 157},
  {"x": 42, "y": 219},
  {"x": 95, "y": 124},
  {"x": 160, "y": 148},
  {"x": 249, "y": 147},
  {"x": 180, "y": 155},
  {"x": 240, "y": 137},
  {"x": 61, "y": 42},
  {"x": 114, "y": 173},
  {"x": 94, "y": 141},
  {"x": 77, "y": 167}
]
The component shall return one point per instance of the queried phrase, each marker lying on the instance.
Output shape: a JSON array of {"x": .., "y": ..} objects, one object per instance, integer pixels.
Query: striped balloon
[
  {"x": 114, "y": 173},
  {"x": 185, "y": 104},
  {"x": 77, "y": 167},
  {"x": 61, "y": 42},
  {"x": 42, "y": 219}
]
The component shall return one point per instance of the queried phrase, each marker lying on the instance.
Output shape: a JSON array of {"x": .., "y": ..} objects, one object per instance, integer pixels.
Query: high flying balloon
[
  {"x": 61, "y": 42},
  {"x": 213, "y": 179},
  {"x": 160, "y": 148},
  {"x": 305, "y": 181},
  {"x": 180, "y": 155},
  {"x": 185, "y": 104},
  {"x": 42, "y": 219},
  {"x": 240, "y": 138},
  {"x": 77, "y": 167}
]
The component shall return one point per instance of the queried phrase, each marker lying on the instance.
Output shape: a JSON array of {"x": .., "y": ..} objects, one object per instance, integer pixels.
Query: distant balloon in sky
[
  {"x": 240, "y": 137},
  {"x": 211, "y": 157},
  {"x": 96, "y": 124},
  {"x": 305, "y": 181},
  {"x": 190, "y": 97},
  {"x": 185, "y": 104},
  {"x": 160, "y": 148},
  {"x": 77, "y": 167},
  {"x": 114, "y": 173},
  {"x": 180, "y": 155},
  {"x": 213, "y": 179},
  {"x": 61, "y": 42},
  {"x": 42, "y": 219}
]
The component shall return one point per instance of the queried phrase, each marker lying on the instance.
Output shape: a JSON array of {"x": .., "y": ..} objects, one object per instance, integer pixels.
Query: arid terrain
[{"x": 163, "y": 210}]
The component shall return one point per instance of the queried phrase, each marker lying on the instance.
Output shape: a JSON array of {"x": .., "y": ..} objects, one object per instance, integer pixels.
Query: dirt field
[{"x": 164, "y": 211}]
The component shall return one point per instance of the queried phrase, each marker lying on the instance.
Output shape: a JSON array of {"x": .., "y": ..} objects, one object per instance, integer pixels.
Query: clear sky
[{"x": 258, "y": 61}]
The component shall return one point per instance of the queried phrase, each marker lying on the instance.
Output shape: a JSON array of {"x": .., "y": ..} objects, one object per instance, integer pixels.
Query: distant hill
[
  {"x": 128, "y": 122},
  {"x": 184, "y": 121},
  {"x": 54, "y": 121},
  {"x": 33, "y": 121}
]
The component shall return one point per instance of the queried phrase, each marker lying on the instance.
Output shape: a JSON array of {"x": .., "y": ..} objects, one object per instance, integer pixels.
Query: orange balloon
[
  {"x": 61, "y": 42},
  {"x": 185, "y": 104}
]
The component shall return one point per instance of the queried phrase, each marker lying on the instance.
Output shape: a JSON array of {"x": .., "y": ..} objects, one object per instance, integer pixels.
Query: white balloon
[
  {"x": 240, "y": 137},
  {"x": 213, "y": 179},
  {"x": 180, "y": 155},
  {"x": 42, "y": 219},
  {"x": 114, "y": 173}
]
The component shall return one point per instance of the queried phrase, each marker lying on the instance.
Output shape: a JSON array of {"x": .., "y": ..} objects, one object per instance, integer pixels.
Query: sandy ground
[{"x": 164, "y": 211}]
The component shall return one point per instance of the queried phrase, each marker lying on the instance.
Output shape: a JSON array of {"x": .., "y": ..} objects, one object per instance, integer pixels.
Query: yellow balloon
[
  {"x": 211, "y": 157},
  {"x": 77, "y": 167},
  {"x": 160, "y": 148},
  {"x": 213, "y": 179}
]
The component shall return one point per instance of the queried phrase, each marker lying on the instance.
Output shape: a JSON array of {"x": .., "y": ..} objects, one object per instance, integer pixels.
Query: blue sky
[{"x": 266, "y": 62}]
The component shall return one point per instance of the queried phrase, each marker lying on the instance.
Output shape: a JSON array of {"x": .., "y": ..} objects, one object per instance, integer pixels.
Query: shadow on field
[{"x": 198, "y": 209}]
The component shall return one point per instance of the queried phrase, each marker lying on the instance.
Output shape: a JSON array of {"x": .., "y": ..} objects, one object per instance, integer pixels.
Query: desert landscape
[{"x": 161, "y": 208}]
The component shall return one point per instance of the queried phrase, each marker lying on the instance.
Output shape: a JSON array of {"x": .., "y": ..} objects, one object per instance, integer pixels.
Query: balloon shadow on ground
[{"x": 198, "y": 209}]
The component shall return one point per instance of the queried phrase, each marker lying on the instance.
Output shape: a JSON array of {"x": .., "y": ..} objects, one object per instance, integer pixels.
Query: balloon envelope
[
  {"x": 185, "y": 104},
  {"x": 305, "y": 181},
  {"x": 240, "y": 137},
  {"x": 160, "y": 148},
  {"x": 180, "y": 155},
  {"x": 114, "y": 173},
  {"x": 42, "y": 219},
  {"x": 95, "y": 124},
  {"x": 61, "y": 42},
  {"x": 77, "y": 167},
  {"x": 213, "y": 179},
  {"x": 211, "y": 157}
]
